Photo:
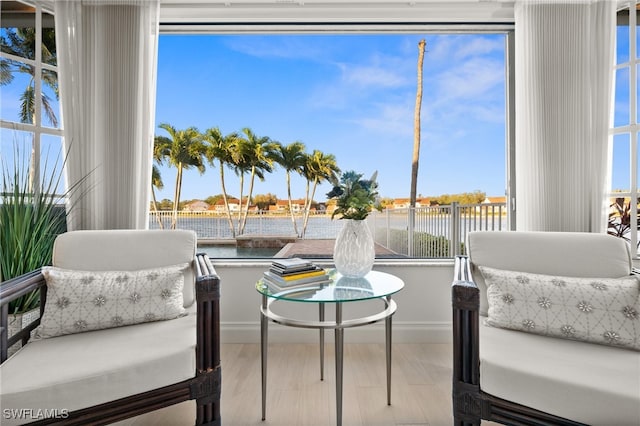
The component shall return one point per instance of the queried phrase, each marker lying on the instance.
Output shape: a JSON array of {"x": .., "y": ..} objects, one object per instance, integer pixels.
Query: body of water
[
  {"x": 228, "y": 251},
  {"x": 389, "y": 230}
]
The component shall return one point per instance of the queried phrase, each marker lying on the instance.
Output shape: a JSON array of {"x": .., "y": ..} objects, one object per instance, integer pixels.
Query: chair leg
[
  {"x": 459, "y": 422},
  {"x": 208, "y": 414}
]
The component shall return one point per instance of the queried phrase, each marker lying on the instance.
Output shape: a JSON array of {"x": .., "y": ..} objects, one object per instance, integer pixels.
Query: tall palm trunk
[
  {"x": 155, "y": 207},
  {"x": 246, "y": 209},
  {"x": 307, "y": 210},
  {"x": 226, "y": 200},
  {"x": 240, "y": 209},
  {"x": 293, "y": 219},
  {"x": 416, "y": 149},
  {"x": 416, "y": 127},
  {"x": 176, "y": 199}
]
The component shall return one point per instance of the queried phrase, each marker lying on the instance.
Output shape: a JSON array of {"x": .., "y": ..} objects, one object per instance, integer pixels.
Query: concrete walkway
[{"x": 323, "y": 249}]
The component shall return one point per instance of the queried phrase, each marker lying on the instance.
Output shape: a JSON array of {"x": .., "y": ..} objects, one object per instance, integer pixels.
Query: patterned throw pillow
[
  {"x": 80, "y": 301},
  {"x": 598, "y": 310}
]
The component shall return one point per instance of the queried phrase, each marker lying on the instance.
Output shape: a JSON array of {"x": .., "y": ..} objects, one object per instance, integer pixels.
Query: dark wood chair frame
[
  {"x": 470, "y": 403},
  {"x": 205, "y": 387}
]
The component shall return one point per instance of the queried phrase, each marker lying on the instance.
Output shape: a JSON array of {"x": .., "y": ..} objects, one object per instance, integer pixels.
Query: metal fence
[
  {"x": 215, "y": 226},
  {"x": 436, "y": 231},
  {"x": 422, "y": 232}
]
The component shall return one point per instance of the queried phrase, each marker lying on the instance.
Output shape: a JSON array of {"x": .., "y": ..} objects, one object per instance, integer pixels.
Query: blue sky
[
  {"x": 352, "y": 96},
  {"x": 349, "y": 95}
]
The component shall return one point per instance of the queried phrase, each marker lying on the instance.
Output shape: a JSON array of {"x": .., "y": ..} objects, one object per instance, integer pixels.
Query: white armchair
[
  {"x": 549, "y": 345},
  {"x": 103, "y": 279}
]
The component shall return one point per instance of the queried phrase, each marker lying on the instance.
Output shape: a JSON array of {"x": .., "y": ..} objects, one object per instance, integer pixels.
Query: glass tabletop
[{"x": 340, "y": 289}]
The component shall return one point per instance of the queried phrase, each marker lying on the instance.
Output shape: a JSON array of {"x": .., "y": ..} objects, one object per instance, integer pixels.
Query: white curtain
[
  {"x": 107, "y": 58},
  {"x": 564, "y": 55}
]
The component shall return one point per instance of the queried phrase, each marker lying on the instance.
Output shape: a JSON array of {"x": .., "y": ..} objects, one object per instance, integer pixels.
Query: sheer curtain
[
  {"x": 107, "y": 54},
  {"x": 564, "y": 78}
]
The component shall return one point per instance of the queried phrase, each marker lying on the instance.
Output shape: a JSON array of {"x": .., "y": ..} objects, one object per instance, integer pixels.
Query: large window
[
  {"x": 30, "y": 111},
  {"x": 625, "y": 180},
  {"x": 350, "y": 95}
]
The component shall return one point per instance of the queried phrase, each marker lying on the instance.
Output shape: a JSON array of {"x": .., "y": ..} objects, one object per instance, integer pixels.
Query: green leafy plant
[
  {"x": 619, "y": 222},
  {"x": 355, "y": 197},
  {"x": 31, "y": 216}
]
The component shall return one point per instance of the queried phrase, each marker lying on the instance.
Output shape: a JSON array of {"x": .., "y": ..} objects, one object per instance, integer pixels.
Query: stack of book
[{"x": 293, "y": 272}]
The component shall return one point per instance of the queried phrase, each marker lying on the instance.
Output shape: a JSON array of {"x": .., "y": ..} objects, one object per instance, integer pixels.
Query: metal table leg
[
  {"x": 339, "y": 332},
  {"x": 387, "y": 331},
  {"x": 264, "y": 325},
  {"x": 339, "y": 325},
  {"x": 321, "y": 318}
]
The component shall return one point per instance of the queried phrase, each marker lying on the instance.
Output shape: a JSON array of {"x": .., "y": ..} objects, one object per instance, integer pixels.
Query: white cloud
[
  {"x": 388, "y": 118},
  {"x": 282, "y": 47},
  {"x": 448, "y": 48},
  {"x": 470, "y": 79},
  {"x": 372, "y": 79},
  {"x": 371, "y": 76}
]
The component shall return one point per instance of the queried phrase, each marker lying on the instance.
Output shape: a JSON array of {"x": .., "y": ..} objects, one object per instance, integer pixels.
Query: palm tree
[
  {"x": 219, "y": 147},
  {"x": 416, "y": 128},
  {"x": 183, "y": 149},
  {"x": 292, "y": 158},
  {"x": 317, "y": 168},
  {"x": 21, "y": 43},
  {"x": 255, "y": 156},
  {"x": 156, "y": 182}
]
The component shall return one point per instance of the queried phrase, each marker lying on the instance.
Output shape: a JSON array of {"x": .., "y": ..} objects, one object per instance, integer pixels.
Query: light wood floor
[{"x": 420, "y": 395}]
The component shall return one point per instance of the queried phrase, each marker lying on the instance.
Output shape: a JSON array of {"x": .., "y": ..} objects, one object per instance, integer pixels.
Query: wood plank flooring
[{"x": 420, "y": 395}]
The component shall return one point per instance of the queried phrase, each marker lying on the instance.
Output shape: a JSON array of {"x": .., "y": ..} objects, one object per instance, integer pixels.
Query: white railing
[
  {"x": 422, "y": 232},
  {"x": 215, "y": 226},
  {"x": 436, "y": 231}
]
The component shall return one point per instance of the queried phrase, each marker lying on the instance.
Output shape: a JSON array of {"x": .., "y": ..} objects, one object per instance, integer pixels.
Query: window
[
  {"x": 623, "y": 219},
  {"x": 351, "y": 95},
  {"x": 30, "y": 112}
]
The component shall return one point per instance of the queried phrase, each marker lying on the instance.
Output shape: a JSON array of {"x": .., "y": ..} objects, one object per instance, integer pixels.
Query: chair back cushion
[
  {"x": 569, "y": 254},
  {"x": 128, "y": 250}
]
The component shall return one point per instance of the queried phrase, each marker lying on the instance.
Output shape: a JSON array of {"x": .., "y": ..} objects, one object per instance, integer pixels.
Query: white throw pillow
[
  {"x": 80, "y": 301},
  {"x": 598, "y": 310}
]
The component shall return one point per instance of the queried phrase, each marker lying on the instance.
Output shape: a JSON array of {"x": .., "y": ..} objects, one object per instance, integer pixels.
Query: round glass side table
[{"x": 340, "y": 290}]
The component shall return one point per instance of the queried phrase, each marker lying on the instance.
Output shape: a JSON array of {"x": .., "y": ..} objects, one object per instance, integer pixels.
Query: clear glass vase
[{"x": 354, "y": 253}]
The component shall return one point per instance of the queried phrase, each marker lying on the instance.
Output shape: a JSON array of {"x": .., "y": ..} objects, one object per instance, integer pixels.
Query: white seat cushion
[
  {"x": 585, "y": 382},
  {"x": 81, "y": 370}
]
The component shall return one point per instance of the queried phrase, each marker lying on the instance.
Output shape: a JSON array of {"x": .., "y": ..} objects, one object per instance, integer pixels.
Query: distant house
[
  {"x": 234, "y": 205},
  {"x": 492, "y": 209},
  {"x": 282, "y": 206},
  {"x": 196, "y": 206},
  {"x": 494, "y": 200},
  {"x": 404, "y": 203}
]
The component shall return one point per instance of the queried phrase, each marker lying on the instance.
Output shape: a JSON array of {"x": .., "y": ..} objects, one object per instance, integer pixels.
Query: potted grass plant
[{"x": 31, "y": 216}]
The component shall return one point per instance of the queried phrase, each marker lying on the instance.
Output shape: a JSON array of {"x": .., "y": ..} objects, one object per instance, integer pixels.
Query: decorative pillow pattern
[
  {"x": 80, "y": 301},
  {"x": 598, "y": 310}
]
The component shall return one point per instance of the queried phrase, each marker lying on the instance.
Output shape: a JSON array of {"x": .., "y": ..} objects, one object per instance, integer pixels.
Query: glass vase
[{"x": 354, "y": 253}]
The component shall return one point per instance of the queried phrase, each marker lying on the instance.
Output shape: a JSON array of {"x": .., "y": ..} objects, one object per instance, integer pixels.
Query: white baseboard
[{"x": 403, "y": 332}]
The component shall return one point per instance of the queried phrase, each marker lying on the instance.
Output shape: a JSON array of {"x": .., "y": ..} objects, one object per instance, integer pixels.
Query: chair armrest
[
  {"x": 11, "y": 290},
  {"x": 465, "y": 293},
  {"x": 208, "y": 314},
  {"x": 466, "y": 304}
]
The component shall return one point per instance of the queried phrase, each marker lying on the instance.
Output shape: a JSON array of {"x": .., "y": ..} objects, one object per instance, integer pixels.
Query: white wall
[{"x": 423, "y": 315}]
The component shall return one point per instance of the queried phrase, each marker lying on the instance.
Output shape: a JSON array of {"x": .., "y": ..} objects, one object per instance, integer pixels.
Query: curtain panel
[
  {"x": 107, "y": 58},
  {"x": 564, "y": 57}
]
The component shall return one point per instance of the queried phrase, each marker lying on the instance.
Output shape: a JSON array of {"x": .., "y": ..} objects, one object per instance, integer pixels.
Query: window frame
[
  {"x": 631, "y": 129},
  {"x": 38, "y": 128}
]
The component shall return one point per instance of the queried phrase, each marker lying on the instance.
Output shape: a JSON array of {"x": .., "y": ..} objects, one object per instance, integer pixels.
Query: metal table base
[{"x": 266, "y": 315}]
